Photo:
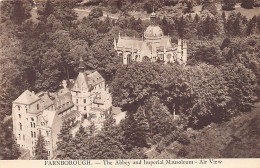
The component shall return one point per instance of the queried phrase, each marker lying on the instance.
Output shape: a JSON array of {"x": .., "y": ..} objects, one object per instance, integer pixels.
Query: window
[
  {"x": 84, "y": 101},
  {"x": 37, "y": 106},
  {"x": 19, "y": 108},
  {"x": 23, "y": 137},
  {"x": 34, "y": 125},
  {"x": 40, "y": 132},
  {"x": 20, "y": 115},
  {"x": 48, "y": 153},
  {"x": 85, "y": 108},
  {"x": 21, "y": 127},
  {"x": 32, "y": 134},
  {"x": 47, "y": 133},
  {"x": 77, "y": 107},
  {"x": 31, "y": 124},
  {"x": 77, "y": 101},
  {"x": 32, "y": 119},
  {"x": 19, "y": 136}
]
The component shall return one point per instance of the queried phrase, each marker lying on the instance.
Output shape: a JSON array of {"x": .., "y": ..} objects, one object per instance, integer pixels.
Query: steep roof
[
  {"x": 63, "y": 102},
  {"x": 95, "y": 78},
  {"x": 49, "y": 117},
  {"x": 27, "y": 98},
  {"x": 81, "y": 82},
  {"x": 47, "y": 102}
]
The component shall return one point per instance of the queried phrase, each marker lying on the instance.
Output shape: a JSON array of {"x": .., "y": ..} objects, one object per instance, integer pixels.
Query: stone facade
[
  {"x": 43, "y": 113},
  {"x": 153, "y": 46}
]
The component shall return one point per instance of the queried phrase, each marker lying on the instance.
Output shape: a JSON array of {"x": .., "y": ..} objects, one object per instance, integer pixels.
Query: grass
[{"x": 249, "y": 13}]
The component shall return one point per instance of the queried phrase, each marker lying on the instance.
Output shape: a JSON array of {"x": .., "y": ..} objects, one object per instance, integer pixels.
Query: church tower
[{"x": 80, "y": 91}]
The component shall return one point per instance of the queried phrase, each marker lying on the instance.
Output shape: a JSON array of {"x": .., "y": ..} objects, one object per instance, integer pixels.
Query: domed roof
[{"x": 153, "y": 32}]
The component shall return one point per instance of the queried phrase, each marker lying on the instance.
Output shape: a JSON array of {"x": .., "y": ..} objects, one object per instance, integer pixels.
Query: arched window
[
  {"x": 32, "y": 134},
  {"x": 21, "y": 126},
  {"x": 32, "y": 119}
]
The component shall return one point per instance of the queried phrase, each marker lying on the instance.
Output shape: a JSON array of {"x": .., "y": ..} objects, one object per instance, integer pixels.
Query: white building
[
  {"x": 43, "y": 113},
  {"x": 152, "y": 47}
]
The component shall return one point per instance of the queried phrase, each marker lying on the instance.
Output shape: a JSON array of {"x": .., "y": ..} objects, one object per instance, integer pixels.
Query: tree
[
  {"x": 9, "y": 148},
  {"x": 210, "y": 6},
  {"x": 95, "y": 13},
  {"x": 40, "y": 149},
  {"x": 16, "y": 11},
  {"x": 228, "y": 5},
  {"x": 64, "y": 145},
  {"x": 248, "y": 4}
]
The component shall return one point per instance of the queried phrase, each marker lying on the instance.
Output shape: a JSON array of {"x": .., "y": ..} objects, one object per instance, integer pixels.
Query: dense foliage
[{"x": 221, "y": 79}]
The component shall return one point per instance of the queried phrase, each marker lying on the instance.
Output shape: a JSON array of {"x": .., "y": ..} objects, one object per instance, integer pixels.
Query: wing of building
[
  {"x": 153, "y": 46},
  {"x": 43, "y": 113}
]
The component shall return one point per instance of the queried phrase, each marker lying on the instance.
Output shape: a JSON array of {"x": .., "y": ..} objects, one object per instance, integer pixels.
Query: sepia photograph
[{"x": 129, "y": 79}]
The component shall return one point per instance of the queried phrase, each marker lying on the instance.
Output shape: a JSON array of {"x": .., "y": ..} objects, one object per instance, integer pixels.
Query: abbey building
[
  {"x": 152, "y": 47},
  {"x": 43, "y": 113}
]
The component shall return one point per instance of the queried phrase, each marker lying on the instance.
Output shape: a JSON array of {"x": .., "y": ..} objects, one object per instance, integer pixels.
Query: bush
[
  {"x": 182, "y": 152},
  {"x": 184, "y": 139}
]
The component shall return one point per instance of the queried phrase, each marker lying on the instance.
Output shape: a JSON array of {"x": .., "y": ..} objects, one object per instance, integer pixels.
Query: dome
[{"x": 153, "y": 32}]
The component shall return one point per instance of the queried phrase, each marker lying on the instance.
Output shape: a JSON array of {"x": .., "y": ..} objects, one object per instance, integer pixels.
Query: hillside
[{"x": 237, "y": 138}]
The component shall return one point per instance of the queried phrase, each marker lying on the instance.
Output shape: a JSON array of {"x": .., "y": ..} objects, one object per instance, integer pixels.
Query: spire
[
  {"x": 153, "y": 18},
  {"x": 115, "y": 45},
  {"x": 81, "y": 65}
]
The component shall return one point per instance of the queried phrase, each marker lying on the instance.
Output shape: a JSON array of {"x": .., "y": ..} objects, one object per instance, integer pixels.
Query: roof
[
  {"x": 63, "y": 102},
  {"x": 95, "y": 78},
  {"x": 81, "y": 82},
  {"x": 70, "y": 115},
  {"x": 27, "y": 98},
  {"x": 47, "y": 102},
  {"x": 101, "y": 97},
  {"x": 128, "y": 42},
  {"x": 153, "y": 32},
  {"x": 87, "y": 79},
  {"x": 49, "y": 117}
]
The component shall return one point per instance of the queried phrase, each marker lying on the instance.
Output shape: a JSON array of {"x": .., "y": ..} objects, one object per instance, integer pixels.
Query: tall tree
[
  {"x": 64, "y": 147},
  {"x": 9, "y": 148},
  {"x": 40, "y": 149}
]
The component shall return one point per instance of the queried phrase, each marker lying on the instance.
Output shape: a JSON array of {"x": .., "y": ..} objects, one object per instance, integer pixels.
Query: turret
[
  {"x": 153, "y": 18},
  {"x": 81, "y": 65}
]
